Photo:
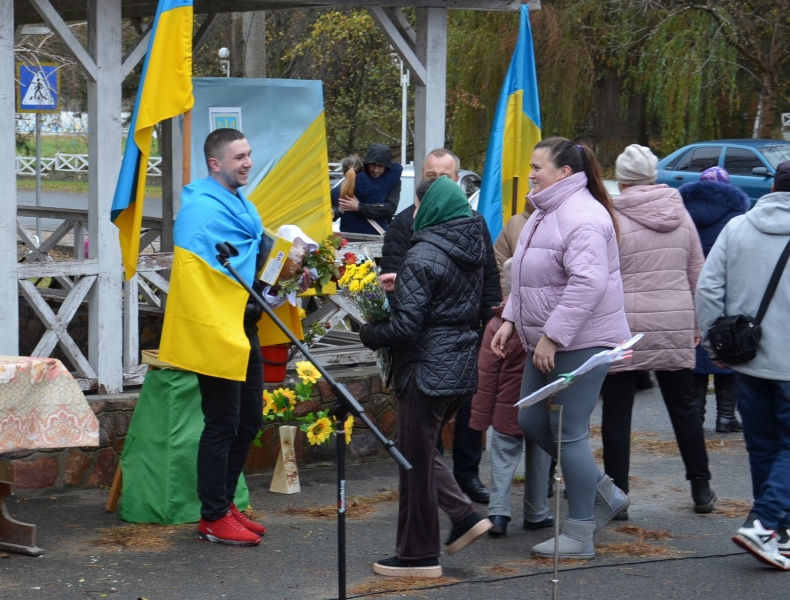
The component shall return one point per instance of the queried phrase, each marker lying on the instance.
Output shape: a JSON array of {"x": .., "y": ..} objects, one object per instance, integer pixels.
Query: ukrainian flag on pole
[
  {"x": 165, "y": 91},
  {"x": 514, "y": 134}
]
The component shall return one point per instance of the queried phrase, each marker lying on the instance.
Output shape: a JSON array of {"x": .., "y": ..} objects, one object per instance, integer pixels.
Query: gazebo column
[
  {"x": 9, "y": 324},
  {"x": 105, "y": 329}
]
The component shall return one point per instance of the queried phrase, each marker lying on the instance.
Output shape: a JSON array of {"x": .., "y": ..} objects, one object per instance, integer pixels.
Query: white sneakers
[{"x": 762, "y": 543}]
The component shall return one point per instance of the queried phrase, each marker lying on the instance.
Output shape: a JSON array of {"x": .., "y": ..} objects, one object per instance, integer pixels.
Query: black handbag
[{"x": 735, "y": 338}]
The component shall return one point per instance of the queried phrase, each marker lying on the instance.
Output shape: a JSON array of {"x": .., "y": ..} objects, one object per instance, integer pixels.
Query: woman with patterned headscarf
[{"x": 712, "y": 202}]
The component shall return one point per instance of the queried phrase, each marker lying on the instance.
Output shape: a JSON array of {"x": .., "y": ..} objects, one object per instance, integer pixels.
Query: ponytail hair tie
[{"x": 579, "y": 147}]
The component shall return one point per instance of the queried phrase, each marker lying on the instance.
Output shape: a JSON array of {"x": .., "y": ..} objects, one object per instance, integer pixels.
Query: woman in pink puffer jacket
[{"x": 567, "y": 305}]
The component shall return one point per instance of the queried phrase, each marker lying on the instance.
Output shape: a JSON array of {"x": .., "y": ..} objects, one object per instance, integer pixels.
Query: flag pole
[
  {"x": 514, "y": 205},
  {"x": 186, "y": 168}
]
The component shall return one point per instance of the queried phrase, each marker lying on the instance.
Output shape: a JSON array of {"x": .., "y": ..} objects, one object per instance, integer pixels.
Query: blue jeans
[{"x": 764, "y": 405}]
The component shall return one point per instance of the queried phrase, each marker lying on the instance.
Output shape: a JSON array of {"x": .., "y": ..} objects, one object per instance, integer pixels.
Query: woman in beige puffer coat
[{"x": 660, "y": 261}]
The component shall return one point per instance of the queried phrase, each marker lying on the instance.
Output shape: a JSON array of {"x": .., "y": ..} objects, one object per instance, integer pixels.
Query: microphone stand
[{"x": 346, "y": 404}]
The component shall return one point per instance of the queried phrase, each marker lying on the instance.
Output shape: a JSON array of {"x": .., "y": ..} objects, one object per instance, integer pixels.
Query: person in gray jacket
[{"x": 733, "y": 282}]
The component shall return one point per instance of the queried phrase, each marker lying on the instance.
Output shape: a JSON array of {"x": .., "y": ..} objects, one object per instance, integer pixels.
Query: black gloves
[{"x": 367, "y": 338}]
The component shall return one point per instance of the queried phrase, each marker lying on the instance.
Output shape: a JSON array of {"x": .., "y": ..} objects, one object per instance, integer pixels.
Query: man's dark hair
[
  {"x": 216, "y": 141},
  {"x": 422, "y": 189}
]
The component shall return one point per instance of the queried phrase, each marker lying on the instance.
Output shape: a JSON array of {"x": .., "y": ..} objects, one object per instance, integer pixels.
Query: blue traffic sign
[{"x": 39, "y": 88}]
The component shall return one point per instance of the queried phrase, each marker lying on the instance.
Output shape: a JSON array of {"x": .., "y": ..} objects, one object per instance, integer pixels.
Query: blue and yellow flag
[
  {"x": 204, "y": 317},
  {"x": 514, "y": 134},
  {"x": 165, "y": 91}
]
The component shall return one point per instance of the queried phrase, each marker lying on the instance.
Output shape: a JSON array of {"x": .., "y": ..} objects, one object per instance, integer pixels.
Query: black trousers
[
  {"x": 232, "y": 412},
  {"x": 677, "y": 388},
  {"x": 429, "y": 485}
]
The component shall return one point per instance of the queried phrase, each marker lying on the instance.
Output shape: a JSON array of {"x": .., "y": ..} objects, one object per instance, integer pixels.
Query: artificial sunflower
[
  {"x": 290, "y": 395},
  {"x": 268, "y": 403},
  {"x": 347, "y": 427},
  {"x": 307, "y": 372},
  {"x": 319, "y": 432}
]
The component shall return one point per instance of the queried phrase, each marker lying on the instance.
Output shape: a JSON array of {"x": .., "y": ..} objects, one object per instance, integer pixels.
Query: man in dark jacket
[
  {"x": 377, "y": 194},
  {"x": 467, "y": 443},
  {"x": 437, "y": 303}
]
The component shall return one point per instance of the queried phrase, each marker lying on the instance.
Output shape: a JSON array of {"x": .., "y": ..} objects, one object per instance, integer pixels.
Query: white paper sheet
[{"x": 606, "y": 357}]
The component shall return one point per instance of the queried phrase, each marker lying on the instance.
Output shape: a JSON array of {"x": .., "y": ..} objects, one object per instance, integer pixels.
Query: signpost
[{"x": 39, "y": 92}]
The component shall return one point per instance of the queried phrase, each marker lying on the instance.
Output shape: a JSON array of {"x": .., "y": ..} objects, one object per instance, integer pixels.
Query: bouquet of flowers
[
  {"x": 360, "y": 283},
  {"x": 282, "y": 404},
  {"x": 320, "y": 260}
]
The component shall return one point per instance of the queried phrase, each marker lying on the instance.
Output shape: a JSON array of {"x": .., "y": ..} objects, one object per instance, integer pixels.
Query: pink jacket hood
[
  {"x": 657, "y": 207},
  {"x": 566, "y": 272}
]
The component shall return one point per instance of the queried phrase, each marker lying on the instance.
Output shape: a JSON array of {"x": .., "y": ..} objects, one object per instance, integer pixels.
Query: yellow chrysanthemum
[
  {"x": 369, "y": 278},
  {"x": 307, "y": 372},
  {"x": 319, "y": 432},
  {"x": 354, "y": 286},
  {"x": 347, "y": 427},
  {"x": 302, "y": 313}
]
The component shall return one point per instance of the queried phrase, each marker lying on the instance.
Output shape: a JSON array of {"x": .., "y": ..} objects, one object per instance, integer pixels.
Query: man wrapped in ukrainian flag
[{"x": 211, "y": 328}]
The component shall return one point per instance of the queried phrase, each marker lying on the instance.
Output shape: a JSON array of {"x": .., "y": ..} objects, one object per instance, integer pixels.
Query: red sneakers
[
  {"x": 256, "y": 528},
  {"x": 227, "y": 530}
]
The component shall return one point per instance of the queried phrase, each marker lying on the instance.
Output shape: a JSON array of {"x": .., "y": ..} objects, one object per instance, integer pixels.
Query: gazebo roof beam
[{"x": 75, "y": 10}]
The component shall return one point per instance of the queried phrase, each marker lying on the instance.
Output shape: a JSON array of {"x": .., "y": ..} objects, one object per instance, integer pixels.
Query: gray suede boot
[
  {"x": 610, "y": 501},
  {"x": 576, "y": 541}
]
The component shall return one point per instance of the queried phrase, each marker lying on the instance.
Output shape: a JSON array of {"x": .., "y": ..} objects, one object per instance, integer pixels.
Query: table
[{"x": 41, "y": 406}]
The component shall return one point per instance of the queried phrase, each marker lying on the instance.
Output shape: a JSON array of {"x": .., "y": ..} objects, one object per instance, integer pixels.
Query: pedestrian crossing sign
[{"x": 39, "y": 88}]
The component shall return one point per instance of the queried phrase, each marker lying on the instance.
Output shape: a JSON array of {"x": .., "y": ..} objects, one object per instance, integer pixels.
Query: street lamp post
[
  {"x": 224, "y": 62},
  {"x": 404, "y": 83}
]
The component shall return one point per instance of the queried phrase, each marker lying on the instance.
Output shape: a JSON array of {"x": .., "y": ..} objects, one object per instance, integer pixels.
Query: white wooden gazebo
[{"x": 112, "y": 359}]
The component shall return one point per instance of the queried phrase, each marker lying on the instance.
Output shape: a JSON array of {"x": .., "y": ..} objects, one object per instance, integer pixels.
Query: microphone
[{"x": 226, "y": 250}]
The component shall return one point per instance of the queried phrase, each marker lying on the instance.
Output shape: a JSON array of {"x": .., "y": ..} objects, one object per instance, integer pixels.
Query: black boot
[
  {"x": 700, "y": 393},
  {"x": 726, "y": 396},
  {"x": 704, "y": 497}
]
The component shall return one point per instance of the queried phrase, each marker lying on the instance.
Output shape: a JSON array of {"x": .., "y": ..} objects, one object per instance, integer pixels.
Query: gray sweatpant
[
  {"x": 506, "y": 453},
  {"x": 540, "y": 424}
]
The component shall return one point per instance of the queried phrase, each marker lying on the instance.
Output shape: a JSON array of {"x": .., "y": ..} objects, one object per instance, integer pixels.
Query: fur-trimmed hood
[{"x": 708, "y": 202}]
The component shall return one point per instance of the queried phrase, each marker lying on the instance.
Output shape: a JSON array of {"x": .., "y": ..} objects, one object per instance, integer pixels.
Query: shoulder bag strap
[{"x": 772, "y": 284}]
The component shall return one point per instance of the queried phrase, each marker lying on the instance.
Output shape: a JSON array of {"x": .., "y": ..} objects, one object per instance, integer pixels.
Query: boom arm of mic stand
[{"x": 355, "y": 408}]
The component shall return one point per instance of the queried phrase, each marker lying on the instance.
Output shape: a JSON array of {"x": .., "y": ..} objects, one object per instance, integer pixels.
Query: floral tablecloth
[{"x": 42, "y": 406}]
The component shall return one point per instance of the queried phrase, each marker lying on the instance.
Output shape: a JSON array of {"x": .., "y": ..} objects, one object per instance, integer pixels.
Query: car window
[
  {"x": 776, "y": 154},
  {"x": 741, "y": 161},
  {"x": 700, "y": 159}
]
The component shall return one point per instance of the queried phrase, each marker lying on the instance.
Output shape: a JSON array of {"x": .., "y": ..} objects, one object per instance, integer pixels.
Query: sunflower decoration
[
  {"x": 281, "y": 404},
  {"x": 319, "y": 432},
  {"x": 307, "y": 372}
]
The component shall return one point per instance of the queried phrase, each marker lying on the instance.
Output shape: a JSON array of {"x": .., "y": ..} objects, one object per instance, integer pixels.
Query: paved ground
[{"x": 297, "y": 559}]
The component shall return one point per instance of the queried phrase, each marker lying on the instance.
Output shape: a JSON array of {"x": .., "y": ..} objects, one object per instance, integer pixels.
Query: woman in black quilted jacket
[{"x": 437, "y": 299}]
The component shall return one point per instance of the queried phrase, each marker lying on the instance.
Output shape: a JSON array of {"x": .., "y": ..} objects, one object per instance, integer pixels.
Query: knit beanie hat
[
  {"x": 715, "y": 174},
  {"x": 636, "y": 166}
]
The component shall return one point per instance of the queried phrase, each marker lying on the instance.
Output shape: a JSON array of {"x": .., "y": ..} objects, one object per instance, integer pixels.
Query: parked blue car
[{"x": 750, "y": 163}]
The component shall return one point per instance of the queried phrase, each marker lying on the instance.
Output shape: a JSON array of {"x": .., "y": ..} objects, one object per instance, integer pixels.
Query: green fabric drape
[{"x": 159, "y": 458}]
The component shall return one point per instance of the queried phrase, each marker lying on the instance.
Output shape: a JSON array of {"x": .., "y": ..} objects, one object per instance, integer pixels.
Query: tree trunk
[
  {"x": 616, "y": 126},
  {"x": 769, "y": 98},
  {"x": 254, "y": 24}
]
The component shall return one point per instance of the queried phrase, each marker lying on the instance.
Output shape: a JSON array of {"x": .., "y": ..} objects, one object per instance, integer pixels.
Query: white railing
[{"x": 72, "y": 163}]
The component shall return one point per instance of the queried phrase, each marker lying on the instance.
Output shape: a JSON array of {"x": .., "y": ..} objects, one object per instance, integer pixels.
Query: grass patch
[
  {"x": 74, "y": 186},
  {"x": 141, "y": 537},
  {"x": 732, "y": 509},
  {"x": 356, "y": 508},
  {"x": 402, "y": 585},
  {"x": 500, "y": 570},
  {"x": 644, "y": 534},
  {"x": 638, "y": 549}
]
